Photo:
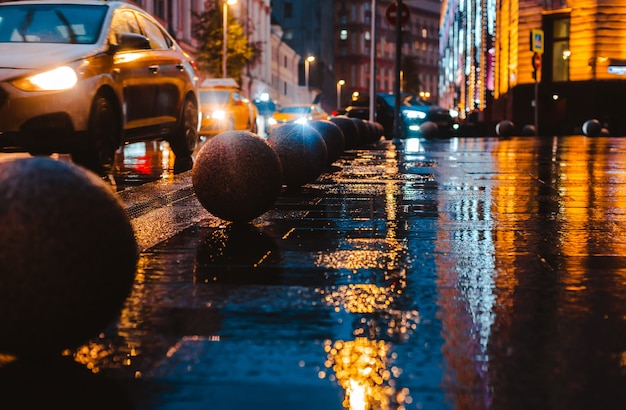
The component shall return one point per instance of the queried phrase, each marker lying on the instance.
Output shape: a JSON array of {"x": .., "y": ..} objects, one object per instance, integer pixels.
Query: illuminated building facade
[
  {"x": 487, "y": 62},
  {"x": 352, "y": 40},
  {"x": 466, "y": 44}
]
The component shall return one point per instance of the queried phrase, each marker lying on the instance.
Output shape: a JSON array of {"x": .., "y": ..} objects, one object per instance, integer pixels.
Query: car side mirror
[{"x": 132, "y": 41}]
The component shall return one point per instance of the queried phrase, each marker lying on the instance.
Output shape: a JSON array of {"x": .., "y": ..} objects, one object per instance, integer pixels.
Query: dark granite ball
[
  {"x": 333, "y": 136},
  {"x": 362, "y": 132},
  {"x": 505, "y": 128},
  {"x": 372, "y": 132},
  {"x": 349, "y": 129},
  {"x": 529, "y": 130},
  {"x": 592, "y": 128},
  {"x": 68, "y": 256},
  {"x": 237, "y": 176},
  {"x": 302, "y": 152},
  {"x": 429, "y": 130}
]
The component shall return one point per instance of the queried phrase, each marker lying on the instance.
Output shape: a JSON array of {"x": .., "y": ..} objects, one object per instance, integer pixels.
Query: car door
[
  {"x": 169, "y": 75},
  {"x": 241, "y": 111},
  {"x": 133, "y": 73}
]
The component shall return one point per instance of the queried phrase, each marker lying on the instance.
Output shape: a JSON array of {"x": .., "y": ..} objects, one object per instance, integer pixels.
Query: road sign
[
  {"x": 392, "y": 13},
  {"x": 537, "y": 61},
  {"x": 536, "y": 41}
]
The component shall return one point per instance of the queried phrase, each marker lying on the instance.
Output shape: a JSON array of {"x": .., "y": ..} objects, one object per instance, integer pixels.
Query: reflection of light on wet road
[{"x": 362, "y": 368}]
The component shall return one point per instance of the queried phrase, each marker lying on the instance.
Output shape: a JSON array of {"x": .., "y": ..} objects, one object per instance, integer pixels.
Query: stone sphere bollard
[
  {"x": 237, "y": 176},
  {"x": 529, "y": 130},
  {"x": 349, "y": 129},
  {"x": 505, "y": 128},
  {"x": 333, "y": 137},
  {"x": 362, "y": 132},
  {"x": 592, "y": 128},
  {"x": 68, "y": 256},
  {"x": 302, "y": 152},
  {"x": 429, "y": 130}
]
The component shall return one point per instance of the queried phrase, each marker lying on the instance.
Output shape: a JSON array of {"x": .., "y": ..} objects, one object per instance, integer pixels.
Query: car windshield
[
  {"x": 51, "y": 23},
  {"x": 214, "y": 97},
  {"x": 295, "y": 110}
]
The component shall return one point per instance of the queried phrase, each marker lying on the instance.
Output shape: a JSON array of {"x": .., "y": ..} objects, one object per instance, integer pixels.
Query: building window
[
  {"x": 561, "y": 50},
  {"x": 343, "y": 35},
  {"x": 367, "y": 36},
  {"x": 424, "y": 33}
]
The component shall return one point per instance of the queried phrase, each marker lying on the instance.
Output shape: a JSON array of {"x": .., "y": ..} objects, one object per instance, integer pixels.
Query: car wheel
[
  {"x": 186, "y": 138},
  {"x": 98, "y": 153}
]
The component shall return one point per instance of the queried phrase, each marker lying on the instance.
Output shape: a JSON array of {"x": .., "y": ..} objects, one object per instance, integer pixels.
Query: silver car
[{"x": 85, "y": 77}]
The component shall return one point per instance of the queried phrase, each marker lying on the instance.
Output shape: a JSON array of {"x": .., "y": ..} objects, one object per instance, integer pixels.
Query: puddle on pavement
[{"x": 464, "y": 273}]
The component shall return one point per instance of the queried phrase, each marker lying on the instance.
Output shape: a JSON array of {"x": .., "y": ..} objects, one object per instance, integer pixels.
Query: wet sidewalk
[{"x": 471, "y": 273}]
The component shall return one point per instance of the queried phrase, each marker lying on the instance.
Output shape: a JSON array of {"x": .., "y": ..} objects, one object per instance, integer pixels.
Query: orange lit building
[{"x": 580, "y": 75}]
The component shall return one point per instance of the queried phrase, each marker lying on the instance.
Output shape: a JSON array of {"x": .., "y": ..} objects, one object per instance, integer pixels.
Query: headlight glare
[
  {"x": 412, "y": 114},
  {"x": 60, "y": 78},
  {"x": 218, "y": 114}
]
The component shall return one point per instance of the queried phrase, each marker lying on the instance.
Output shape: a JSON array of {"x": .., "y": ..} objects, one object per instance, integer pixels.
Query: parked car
[
  {"x": 85, "y": 77},
  {"x": 413, "y": 113},
  {"x": 225, "y": 107},
  {"x": 301, "y": 113}
]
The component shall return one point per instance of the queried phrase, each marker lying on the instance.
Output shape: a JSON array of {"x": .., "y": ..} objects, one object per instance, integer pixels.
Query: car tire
[
  {"x": 103, "y": 136},
  {"x": 185, "y": 139}
]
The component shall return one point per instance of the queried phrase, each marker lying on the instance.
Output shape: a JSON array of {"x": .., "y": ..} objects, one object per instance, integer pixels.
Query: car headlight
[
  {"x": 218, "y": 114},
  {"x": 61, "y": 78},
  {"x": 301, "y": 120},
  {"x": 414, "y": 115},
  {"x": 272, "y": 121}
]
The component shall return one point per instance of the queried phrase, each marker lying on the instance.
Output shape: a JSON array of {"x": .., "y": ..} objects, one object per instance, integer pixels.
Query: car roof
[
  {"x": 111, "y": 3},
  {"x": 115, "y": 4}
]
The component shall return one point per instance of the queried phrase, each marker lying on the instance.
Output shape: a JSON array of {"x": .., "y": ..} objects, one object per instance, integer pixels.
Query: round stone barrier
[
  {"x": 333, "y": 137},
  {"x": 505, "y": 128},
  {"x": 302, "y": 151},
  {"x": 349, "y": 129},
  {"x": 529, "y": 130},
  {"x": 237, "y": 176},
  {"x": 592, "y": 128},
  {"x": 68, "y": 256},
  {"x": 429, "y": 130}
]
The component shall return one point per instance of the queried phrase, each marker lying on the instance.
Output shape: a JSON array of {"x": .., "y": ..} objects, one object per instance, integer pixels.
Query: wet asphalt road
[{"x": 469, "y": 273}]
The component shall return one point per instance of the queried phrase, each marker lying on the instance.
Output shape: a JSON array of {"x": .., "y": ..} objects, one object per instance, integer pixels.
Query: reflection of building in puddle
[{"x": 362, "y": 368}]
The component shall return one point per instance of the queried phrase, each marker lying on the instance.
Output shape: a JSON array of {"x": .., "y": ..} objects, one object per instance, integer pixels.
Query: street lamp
[
  {"x": 307, "y": 63},
  {"x": 225, "y": 30},
  {"x": 340, "y": 83}
]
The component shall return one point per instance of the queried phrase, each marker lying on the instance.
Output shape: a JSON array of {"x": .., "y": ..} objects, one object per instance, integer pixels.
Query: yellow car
[
  {"x": 225, "y": 107},
  {"x": 300, "y": 113}
]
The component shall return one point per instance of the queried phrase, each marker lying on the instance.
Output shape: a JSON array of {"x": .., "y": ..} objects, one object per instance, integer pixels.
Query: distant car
[
  {"x": 225, "y": 107},
  {"x": 85, "y": 77},
  {"x": 413, "y": 113},
  {"x": 300, "y": 113}
]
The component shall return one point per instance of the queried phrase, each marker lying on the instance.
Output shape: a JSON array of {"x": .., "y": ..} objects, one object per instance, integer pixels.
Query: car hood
[
  {"x": 214, "y": 107},
  {"x": 18, "y": 58},
  {"x": 288, "y": 117}
]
